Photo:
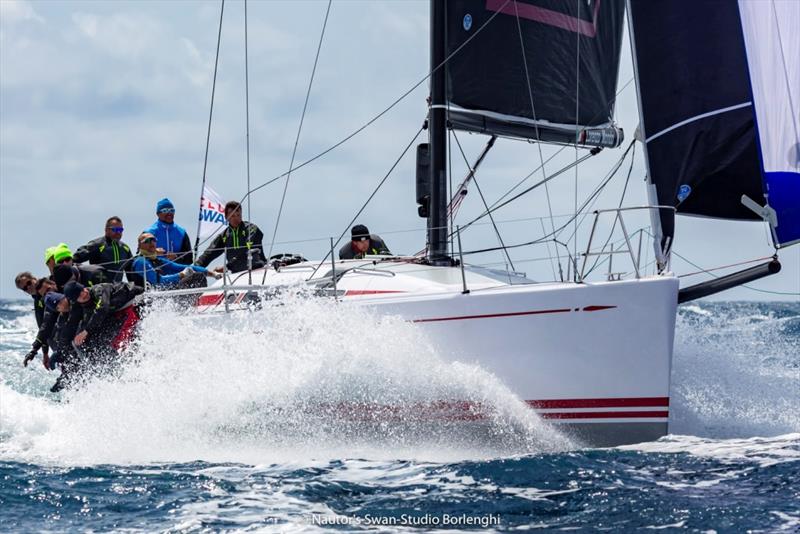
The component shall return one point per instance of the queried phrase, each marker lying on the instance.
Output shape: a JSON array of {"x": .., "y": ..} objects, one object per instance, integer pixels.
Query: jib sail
[
  {"x": 710, "y": 123},
  {"x": 773, "y": 58},
  {"x": 540, "y": 69}
]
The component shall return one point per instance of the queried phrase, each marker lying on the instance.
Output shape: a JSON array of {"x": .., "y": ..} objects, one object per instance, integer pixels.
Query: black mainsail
[{"x": 540, "y": 69}]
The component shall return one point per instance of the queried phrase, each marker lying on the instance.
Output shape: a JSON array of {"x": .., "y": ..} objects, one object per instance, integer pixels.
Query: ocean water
[{"x": 208, "y": 427}]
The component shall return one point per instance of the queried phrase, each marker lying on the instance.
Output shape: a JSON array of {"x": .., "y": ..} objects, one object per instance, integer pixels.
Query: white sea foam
[
  {"x": 736, "y": 373},
  {"x": 763, "y": 452},
  {"x": 245, "y": 389},
  {"x": 248, "y": 388}
]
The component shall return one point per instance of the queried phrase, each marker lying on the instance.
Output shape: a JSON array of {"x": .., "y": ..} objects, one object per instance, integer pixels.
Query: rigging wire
[
  {"x": 247, "y": 122},
  {"x": 483, "y": 199},
  {"x": 496, "y": 206},
  {"x": 577, "y": 110},
  {"x": 388, "y": 108},
  {"x": 621, "y": 200},
  {"x": 369, "y": 199},
  {"x": 538, "y": 144},
  {"x": 708, "y": 271},
  {"x": 563, "y": 147},
  {"x": 247, "y": 106},
  {"x": 299, "y": 129},
  {"x": 450, "y": 178},
  {"x": 596, "y": 194},
  {"x": 210, "y": 115},
  {"x": 573, "y": 216},
  {"x": 458, "y": 197}
]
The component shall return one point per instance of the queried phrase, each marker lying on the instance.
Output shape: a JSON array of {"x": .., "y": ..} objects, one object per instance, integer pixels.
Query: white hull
[{"x": 593, "y": 357}]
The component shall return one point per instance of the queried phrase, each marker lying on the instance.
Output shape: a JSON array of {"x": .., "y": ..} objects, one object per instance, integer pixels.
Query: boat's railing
[
  {"x": 618, "y": 218},
  {"x": 200, "y": 290}
]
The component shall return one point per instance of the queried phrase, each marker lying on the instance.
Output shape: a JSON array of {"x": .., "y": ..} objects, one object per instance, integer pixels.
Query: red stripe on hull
[
  {"x": 512, "y": 314},
  {"x": 597, "y": 308},
  {"x": 356, "y": 292},
  {"x": 476, "y": 411},
  {"x": 209, "y": 300},
  {"x": 599, "y": 403},
  {"x": 491, "y": 315},
  {"x": 602, "y": 415}
]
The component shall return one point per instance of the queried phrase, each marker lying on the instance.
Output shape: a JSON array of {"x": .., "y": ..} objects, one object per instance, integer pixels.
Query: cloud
[
  {"x": 123, "y": 35},
  {"x": 108, "y": 112},
  {"x": 16, "y": 11}
]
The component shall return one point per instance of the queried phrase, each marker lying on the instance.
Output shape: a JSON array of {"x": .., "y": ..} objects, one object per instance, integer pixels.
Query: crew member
[
  {"x": 361, "y": 244},
  {"x": 107, "y": 251},
  {"x": 87, "y": 275},
  {"x": 160, "y": 272},
  {"x": 48, "y": 258},
  {"x": 108, "y": 316},
  {"x": 26, "y": 282},
  {"x": 63, "y": 252},
  {"x": 63, "y": 352},
  {"x": 240, "y": 241},
  {"x": 47, "y": 326},
  {"x": 171, "y": 237}
]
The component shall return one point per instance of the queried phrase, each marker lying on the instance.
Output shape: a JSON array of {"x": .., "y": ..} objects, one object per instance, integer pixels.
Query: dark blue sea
[{"x": 204, "y": 428}]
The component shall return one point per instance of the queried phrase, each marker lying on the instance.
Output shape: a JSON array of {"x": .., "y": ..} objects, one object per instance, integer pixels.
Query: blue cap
[
  {"x": 164, "y": 203},
  {"x": 52, "y": 299},
  {"x": 73, "y": 290}
]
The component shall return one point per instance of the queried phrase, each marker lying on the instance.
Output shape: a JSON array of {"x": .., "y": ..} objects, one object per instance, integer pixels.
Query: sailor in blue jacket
[
  {"x": 171, "y": 237},
  {"x": 160, "y": 272}
]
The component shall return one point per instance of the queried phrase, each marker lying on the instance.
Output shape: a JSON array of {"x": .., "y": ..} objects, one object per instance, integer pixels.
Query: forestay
[{"x": 540, "y": 69}]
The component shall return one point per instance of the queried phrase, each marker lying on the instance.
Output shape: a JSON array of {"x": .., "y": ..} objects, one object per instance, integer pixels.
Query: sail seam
[{"x": 697, "y": 118}]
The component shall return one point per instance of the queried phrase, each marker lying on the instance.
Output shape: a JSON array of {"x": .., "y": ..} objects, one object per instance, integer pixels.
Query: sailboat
[{"x": 718, "y": 117}]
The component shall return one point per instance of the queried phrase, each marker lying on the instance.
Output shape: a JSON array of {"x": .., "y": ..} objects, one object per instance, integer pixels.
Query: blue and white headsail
[
  {"x": 773, "y": 59},
  {"x": 719, "y": 97}
]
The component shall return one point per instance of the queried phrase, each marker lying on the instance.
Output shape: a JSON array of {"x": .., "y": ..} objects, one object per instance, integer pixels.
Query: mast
[{"x": 437, "y": 219}]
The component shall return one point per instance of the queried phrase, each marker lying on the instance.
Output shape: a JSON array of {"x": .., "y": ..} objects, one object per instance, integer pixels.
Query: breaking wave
[
  {"x": 736, "y": 370},
  {"x": 299, "y": 378}
]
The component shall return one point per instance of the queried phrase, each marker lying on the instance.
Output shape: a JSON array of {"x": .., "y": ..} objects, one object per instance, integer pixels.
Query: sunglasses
[
  {"x": 27, "y": 285},
  {"x": 116, "y": 229},
  {"x": 167, "y": 210},
  {"x": 148, "y": 240},
  {"x": 59, "y": 262}
]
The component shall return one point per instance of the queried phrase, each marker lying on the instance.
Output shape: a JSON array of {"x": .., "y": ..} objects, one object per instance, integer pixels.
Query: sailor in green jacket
[
  {"x": 108, "y": 251},
  {"x": 237, "y": 241}
]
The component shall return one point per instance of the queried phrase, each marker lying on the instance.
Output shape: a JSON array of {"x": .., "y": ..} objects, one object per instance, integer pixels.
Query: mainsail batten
[{"x": 523, "y": 75}]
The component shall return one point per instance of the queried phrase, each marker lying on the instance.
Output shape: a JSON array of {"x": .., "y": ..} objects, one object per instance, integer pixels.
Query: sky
[{"x": 104, "y": 110}]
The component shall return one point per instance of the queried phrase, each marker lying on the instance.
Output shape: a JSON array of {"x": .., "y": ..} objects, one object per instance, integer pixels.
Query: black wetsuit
[
  {"x": 39, "y": 312},
  {"x": 237, "y": 241},
  {"x": 38, "y": 309},
  {"x": 68, "y": 359},
  {"x": 88, "y": 275},
  {"x": 106, "y": 252},
  {"x": 376, "y": 247},
  {"x": 45, "y": 337},
  {"x": 105, "y": 299}
]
